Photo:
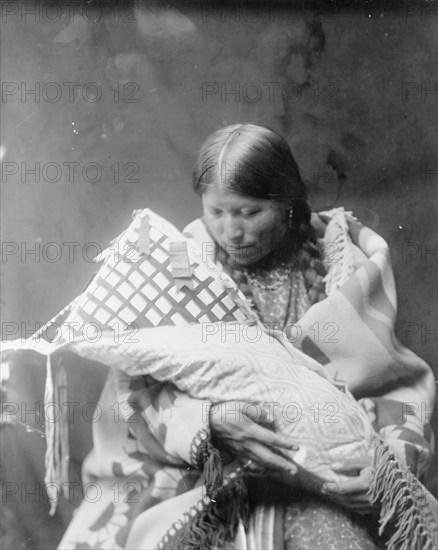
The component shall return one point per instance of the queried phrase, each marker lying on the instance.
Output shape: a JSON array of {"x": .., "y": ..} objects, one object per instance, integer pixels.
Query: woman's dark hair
[{"x": 257, "y": 162}]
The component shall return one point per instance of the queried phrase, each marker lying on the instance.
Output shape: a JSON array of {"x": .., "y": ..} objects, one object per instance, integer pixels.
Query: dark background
[{"x": 353, "y": 89}]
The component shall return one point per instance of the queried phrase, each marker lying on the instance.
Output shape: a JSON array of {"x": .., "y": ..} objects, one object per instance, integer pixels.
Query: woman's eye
[
  {"x": 250, "y": 213},
  {"x": 215, "y": 212}
]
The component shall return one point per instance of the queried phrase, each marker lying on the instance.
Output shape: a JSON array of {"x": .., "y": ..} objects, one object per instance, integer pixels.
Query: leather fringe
[
  {"x": 212, "y": 466},
  {"x": 215, "y": 520},
  {"x": 56, "y": 428},
  {"x": 406, "y": 505}
]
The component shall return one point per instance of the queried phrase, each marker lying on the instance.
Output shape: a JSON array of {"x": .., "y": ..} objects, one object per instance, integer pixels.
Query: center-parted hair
[{"x": 257, "y": 162}]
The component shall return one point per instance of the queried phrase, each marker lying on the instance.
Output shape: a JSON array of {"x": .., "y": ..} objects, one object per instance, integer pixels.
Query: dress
[{"x": 309, "y": 522}]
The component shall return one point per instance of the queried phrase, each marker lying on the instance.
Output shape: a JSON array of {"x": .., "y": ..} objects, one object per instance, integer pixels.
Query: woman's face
[{"x": 247, "y": 229}]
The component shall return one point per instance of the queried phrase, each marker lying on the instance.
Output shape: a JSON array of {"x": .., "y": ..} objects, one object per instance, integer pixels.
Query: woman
[
  {"x": 256, "y": 209},
  {"x": 255, "y": 212}
]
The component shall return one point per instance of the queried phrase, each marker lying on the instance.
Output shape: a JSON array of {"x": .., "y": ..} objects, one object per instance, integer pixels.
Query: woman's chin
[{"x": 246, "y": 260}]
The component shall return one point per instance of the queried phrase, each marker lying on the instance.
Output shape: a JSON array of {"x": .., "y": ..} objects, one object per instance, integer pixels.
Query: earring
[{"x": 290, "y": 216}]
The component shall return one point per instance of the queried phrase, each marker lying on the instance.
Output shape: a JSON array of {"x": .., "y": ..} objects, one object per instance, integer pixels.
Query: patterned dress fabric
[{"x": 311, "y": 524}]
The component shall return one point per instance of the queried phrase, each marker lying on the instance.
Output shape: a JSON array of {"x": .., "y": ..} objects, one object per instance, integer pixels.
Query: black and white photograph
[{"x": 219, "y": 227}]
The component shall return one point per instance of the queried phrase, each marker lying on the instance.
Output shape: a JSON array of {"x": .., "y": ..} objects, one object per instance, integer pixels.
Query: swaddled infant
[{"x": 237, "y": 362}]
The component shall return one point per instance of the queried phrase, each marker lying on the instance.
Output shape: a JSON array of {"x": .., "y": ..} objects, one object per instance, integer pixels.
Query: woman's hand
[
  {"x": 353, "y": 493},
  {"x": 239, "y": 426}
]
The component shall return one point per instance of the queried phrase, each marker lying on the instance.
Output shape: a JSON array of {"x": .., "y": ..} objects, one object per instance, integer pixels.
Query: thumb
[{"x": 352, "y": 465}]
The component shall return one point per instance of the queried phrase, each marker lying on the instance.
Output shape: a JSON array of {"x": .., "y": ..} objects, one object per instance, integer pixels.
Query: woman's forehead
[{"x": 222, "y": 196}]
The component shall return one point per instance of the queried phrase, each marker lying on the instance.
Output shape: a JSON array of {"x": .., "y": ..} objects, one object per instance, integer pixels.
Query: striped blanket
[{"x": 164, "y": 279}]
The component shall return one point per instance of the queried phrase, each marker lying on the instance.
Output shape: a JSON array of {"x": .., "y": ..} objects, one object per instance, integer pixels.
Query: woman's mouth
[
  {"x": 243, "y": 253},
  {"x": 238, "y": 250}
]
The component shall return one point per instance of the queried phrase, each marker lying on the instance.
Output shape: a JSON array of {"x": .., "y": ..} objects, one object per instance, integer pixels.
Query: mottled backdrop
[{"x": 104, "y": 109}]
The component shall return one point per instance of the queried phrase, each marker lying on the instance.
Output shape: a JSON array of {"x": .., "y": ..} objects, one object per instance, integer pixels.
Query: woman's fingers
[
  {"x": 270, "y": 438},
  {"x": 350, "y": 488},
  {"x": 245, "y": 437},
  {"x": 256, "y": 413},
  {"x": 359, "y": 507},
  {"x": 254, "y": 419},
  {"x": 352, "y": 464},
  {"x": 358, "y": 502},
  {"x": 264, "y": 457},
  {"x": 354, "y": 499},
  {"x": 356, "y": 484}
]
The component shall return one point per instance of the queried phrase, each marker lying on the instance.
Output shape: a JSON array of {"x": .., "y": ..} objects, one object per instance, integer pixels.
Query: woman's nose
[{"x": 233, "y": 230}]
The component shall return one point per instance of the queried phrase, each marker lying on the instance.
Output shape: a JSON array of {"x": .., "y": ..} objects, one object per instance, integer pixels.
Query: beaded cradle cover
[{"x": 151, "y": 275}]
